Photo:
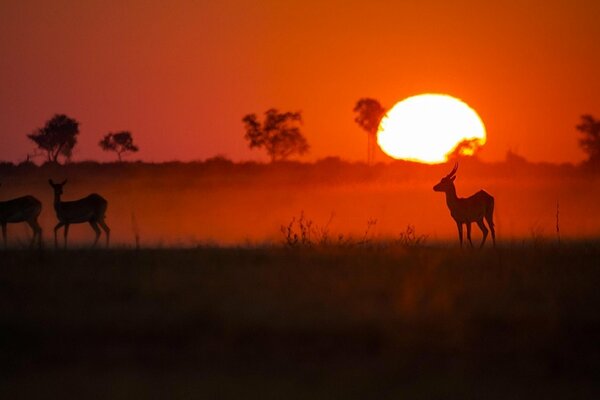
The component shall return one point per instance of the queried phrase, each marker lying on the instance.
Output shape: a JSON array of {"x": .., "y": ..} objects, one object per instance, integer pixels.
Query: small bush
[{"x": 409, "y": 237}]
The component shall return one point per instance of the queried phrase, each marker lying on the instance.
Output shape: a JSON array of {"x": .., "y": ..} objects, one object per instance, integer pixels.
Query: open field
[
  {"x": 224, "y": 203},
  {"x": 271, "y": 322}
]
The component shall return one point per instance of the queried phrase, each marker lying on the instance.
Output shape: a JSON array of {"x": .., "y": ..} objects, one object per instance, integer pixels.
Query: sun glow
[{"x": 428, "y": 127}]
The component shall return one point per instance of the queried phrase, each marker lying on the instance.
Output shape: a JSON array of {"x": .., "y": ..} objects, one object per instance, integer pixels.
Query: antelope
[
  {"x": 467, "y": 210},
  {"x": 22, "y": 209},
  {"x": 90, "y": 209}
]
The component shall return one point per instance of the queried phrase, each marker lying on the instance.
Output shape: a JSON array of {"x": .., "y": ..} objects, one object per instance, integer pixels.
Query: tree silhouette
[
  {"x": 120, "y": 143},
  {"x": 57, "y": 138},
  {"x": 465, "y": 148},
  {"x": 369, "y": 114},
  {"x": 590, "y": 143},
  {"x": 279, "y": 134}
]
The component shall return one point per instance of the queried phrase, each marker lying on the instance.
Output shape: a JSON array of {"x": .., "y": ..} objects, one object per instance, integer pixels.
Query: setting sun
[{"x": 427, "y": 127}]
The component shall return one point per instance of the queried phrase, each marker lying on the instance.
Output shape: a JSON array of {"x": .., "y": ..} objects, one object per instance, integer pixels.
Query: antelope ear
[
  {"x": 50, "y": 182},
  {"x": 453, "y": 178},
  {"x": 65, "y": 181}
]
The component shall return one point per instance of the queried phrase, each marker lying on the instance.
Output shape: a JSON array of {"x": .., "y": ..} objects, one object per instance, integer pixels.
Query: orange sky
[{"x": 181, "y": 75}]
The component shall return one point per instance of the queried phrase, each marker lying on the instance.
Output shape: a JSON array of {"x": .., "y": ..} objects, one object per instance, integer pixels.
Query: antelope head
[
  {"x": 446, "y": 182},
  {"x": 57, "y": 186}
]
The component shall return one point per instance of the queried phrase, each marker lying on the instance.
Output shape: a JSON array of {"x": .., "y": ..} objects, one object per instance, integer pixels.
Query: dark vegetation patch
[{"x": 271, "y": 322}]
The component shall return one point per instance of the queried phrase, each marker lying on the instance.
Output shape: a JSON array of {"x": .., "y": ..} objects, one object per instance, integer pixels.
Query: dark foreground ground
[{"x": 274, "y": 323}]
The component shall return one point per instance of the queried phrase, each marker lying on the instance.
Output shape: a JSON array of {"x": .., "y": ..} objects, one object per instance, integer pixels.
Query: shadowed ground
[{"x": 376, "y": 322}]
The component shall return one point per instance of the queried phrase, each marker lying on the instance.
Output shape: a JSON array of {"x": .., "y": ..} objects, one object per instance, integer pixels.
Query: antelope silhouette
[
  {"x": 475, "y": 208},
  {"x": 22, "y": 209},
  {"x": 90, "y": 209}
]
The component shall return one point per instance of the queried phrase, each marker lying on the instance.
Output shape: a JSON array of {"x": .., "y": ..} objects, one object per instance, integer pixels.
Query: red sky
[{"x": 181, "y": 75}]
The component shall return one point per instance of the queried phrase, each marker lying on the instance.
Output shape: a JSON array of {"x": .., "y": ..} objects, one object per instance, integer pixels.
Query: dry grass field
[
  {"x": 375, "y": 321},
  {"x": 304, "y": 281}
]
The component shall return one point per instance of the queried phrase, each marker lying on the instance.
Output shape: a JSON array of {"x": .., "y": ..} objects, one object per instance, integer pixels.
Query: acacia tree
[
  {"x": 57, "y": 138},
  {"x": 120, "y": 143},
  {"x": 279, "y": 134},
  {"x": 369, "y": 113},
  {"x": 465, "y": 148},
  {"x": 590, "y": 143}
]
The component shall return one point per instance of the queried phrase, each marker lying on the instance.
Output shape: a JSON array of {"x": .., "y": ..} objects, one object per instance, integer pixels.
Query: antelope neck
[
  {"x": 57, "y": 201},
  {"x": 451, "y": 197}
]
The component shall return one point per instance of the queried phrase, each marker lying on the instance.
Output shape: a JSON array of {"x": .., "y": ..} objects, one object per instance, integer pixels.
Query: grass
[{"x": 275, "y": 322}]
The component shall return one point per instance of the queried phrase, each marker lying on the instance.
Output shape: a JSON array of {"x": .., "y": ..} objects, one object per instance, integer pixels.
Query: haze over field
[{"x": 223, "y": 203}]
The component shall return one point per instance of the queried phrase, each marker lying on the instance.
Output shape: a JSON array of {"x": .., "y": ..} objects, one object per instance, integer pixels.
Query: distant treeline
[{"x": 325, "y": 170}]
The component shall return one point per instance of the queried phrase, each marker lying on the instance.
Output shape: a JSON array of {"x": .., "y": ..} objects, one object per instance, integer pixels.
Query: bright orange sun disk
[{"x": 428, "y": 127}]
